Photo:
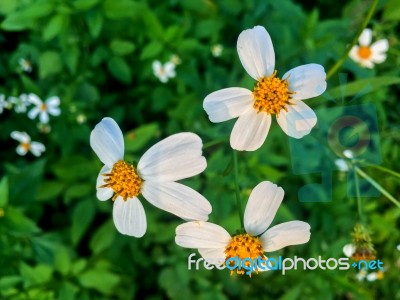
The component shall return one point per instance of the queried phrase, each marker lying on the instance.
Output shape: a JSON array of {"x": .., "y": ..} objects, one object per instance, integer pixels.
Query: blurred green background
[{"x": 57, "y": 241}]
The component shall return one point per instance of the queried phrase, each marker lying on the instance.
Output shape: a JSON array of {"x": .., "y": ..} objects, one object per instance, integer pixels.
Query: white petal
[
  {"x": 32, "y": 98},
  {"x": 306, "y": 81},
  {"x": 262, "y": 206},
  {"x": 129, "y": 217},
  {"x": 107, "y": 142},
  {"x": 380, "y": 46},
  {"x": 174, "y": 158},
  {"x": 169, "y": 68},
  {"x": 106, "y": 192},
  {"x": 367, "y": 63},
  {"x": 349, "y": 250},
  {"x": 378, "y": 58},
  {"x": 37, "y": 148},
  {"x": 156, "y": 67},
  {"x": 354, "y": 54},
  {"x": 250, "y": 131},
  {"x": 286, "y": 234},
  {"x": 54, "y": 111},
  {"x": 200, "y": 234},
  {"x": 21, "y": 150},
  {"x": 372, "y": 276},
  {"x": 214, "y": 256},
  {"x": 33, "y": 113},
  {"x": 21, "y": 137},
  {"x": 228, "y": 103},
  {"x": 365, "y": 37},
  {"x": 348, "y": 153},
  {"x": 44, "y": 117},
  {"x": 177, "y": 199},
  {"x": 341, "y": 165},
  {"x": 298, "y": 120},
  {"x": 53, "y": 101},
  {"x": 256, "y": 52}
]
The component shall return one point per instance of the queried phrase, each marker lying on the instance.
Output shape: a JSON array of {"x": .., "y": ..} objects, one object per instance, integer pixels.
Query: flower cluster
[{"x": 166, "y": 71}]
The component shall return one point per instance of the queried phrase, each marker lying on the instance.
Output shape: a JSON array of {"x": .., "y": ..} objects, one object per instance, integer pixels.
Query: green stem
[
  {"x": 364, "y": 24},
  {"x": 215, "y": 142},
  {"x": 384, "y": 169},
  {"x": 359, "y": 201},
  {"x": 378, "y": 187},
  {"x": 236, "y": 171}
]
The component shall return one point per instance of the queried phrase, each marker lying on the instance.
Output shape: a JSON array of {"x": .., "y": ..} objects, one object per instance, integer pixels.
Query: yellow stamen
[
  {"x": 364, "y": 52},
  {"x": 43, "y": 107},
  {"x": 244, "y": 246},
  {"x": 26, "y": 146},
  {"x": 379, "y": 275},
  {"x": 271, "y": 94},
  {"x": 124, "y": 181}
]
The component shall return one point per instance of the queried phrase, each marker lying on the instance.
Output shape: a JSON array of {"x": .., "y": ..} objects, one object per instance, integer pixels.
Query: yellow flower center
[
  {"x": 124, "y": 181},
  {"x": 364, "y": 52},
  {"x": 271, "y": 94},
  {"x": 244, "y": 246},
  {"x": 43, "y": 107},
  {"x": 26, "y": 146}
]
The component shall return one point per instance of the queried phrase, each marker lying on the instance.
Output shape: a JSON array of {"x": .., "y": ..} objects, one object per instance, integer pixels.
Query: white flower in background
[
  {"x": 164, "y": 72},
  {"x": 271, "y": 95},
  {"x": 176, "y": 157},
  {"x": 398, "y": 247},
  {"x": 26, "y": 144},
  {"x": 44, "y": 109},
  {"x": 375, "y": 276},
  {"x": 349, "y": 250},
  {"x": 3, "y": 103},
  {"x": 348, "y": 153},
  {"x": 341, "y": 165},
  {"x": 175, "y": 59},
  {"x": 25, "y": 65},
  {"x": 216, "y": 245},
  {"x": 367, "y": 54},
  {"x": 81, "y": 118},
  {"x": 361, "y": 275},
  {"x": 216, "y": 50},
  {"x": 20, "y": 103}
]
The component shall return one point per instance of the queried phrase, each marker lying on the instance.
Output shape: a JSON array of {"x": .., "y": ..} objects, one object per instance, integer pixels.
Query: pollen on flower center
[
  {"x": 43, "y": 107},
  {"x": 364, "y": 52},
  {"x": 244, "y": 246},
  {"x": 25, "y": 146},
  {"x": 271, "y": 94},
  {"x": 124, "y": 180}
]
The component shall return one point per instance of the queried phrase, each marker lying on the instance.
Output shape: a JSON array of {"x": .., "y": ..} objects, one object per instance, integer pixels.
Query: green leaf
[
  {"x": 36, "y": 275},
  {"x": 49, "y": 64},
  {"x": 62, "y": 260},
  {"x": 71, "y": 59},
  {"x": 29, "y": 85},
  {"x": 85, "y": 4},
  {"x": 81, "y": 219},
  {"x": 7, "y": 6},
  {"x": 136, "y": 139},
  {"x": 103, "y": 237},
  {"x": 120, "y": 69},
  {"x": 67, "y": 291},
  {"x": 151, "y": 50},
  {"x": 361, "y": 86},
  {"x": 153, "y": 25},
  {"x": 100, "y": 280},
  {"x": 95, "y": 23},
  {"x": 7, "y": 282},
  {"x": 15, "y": 221},
  {"x": 3, "y": 192},
  {"x": 122, "y": 9},
  {"x": 122, "y": 47},
  {"x": 54, "y": 27},
  {"x": 78, "y": 190},
  {"x": 49, "y": 190},
  {"x": 392, "y": 11}
]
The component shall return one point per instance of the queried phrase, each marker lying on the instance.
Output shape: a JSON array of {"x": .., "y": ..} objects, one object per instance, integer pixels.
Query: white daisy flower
[
  {"x": 216, "y": 50},
  {"x": 341, "y": 165},
  {"x": 3, "y": 103},
  {"x": 164, "y": 72},
  {"x": 375, "y": 276},
  {"x": 367, "y": 54},
  {"x": 349, "y": 250},
  {"x": 361, "y": 275},
  {"x": 25, "y": 65},
  {"x": 271, "y": 95},
  {"x": 44, "y": 109},
  {"x": 216, "y": 245},
  {"x": 176, "y": 157},
  {"x": 26, "y": 144},
  {"x": 20, "y": 103}
]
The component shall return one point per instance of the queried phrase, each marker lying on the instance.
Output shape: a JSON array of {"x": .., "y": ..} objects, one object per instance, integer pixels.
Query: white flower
[
  {"x": 3, "y": 103},
  {"x": 20, "y": 103},
  {"x": 375, "y": 276},
  {"x": 176, "y": 157},
  {"x": 216, "y": 50},
  {"x": 25, "y": 65},
  {"x": 361, "y": 275},
  {"x": 367, "y": 54},
  {"x": 175, "y": 59},
  {"x": 216, "y": 245},
  {"x": 81, "y": 118},
  {"x": 44, "y": 109},
  {"x": 270, "y": 95},
  {"x": 26, "y": 144},
  {"x": 398, "y": 247},
  {"x": 341, "y": 165},
  {"x": 348, "y": 153},
  {"x": 349, "y": 250},
  {"x": 164, "y": 72}
]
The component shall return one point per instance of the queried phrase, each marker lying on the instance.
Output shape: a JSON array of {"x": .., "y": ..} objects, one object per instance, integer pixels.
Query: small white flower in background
[
  {"x": 341, "y": 165},
  {"x": 175, "y": 59},
  {"x": 348, "y": 153},
  {"x": 361, "y": 275},
  {"x": 375, "y": 276},
  {"x": 44, "y": 109},
  {"x": 216, "y": 245},
  {"x": 216, "y": 50},
  {"x": 164, "y": 72},
  {"x": 398, "y": 247},
  {"x": 25, "y": 65},
  {"x": 3, "y": 103},
  {"x": 44, "y": 128},
  {"x": 270, "y": 96},
  {"x": 20, "y": 103},
  {"x": 367, "y": 54},
  {"x": 26, "y": 144},
  {"x": 349, "y": 250},
  {"x": 81, "y": 118},
  {"x": 176, "y": 157}
]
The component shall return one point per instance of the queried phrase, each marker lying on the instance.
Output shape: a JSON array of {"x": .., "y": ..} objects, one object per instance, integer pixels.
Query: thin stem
[
  {"x": 364, "y": 24},
  {"x": 239, "y": 205},
  {"x": 384, "y": 169},
  {"x": 215, "y": 142},
  {"x": 359, "y": 201},
  {"x": 378, "y": 187}
]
